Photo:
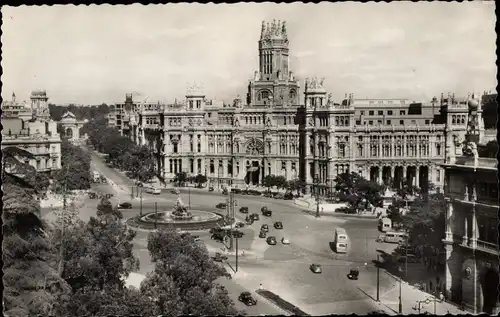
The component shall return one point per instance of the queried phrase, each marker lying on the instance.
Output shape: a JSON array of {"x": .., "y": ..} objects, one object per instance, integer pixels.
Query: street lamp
[
  {"x": 316, "y": 180},
  {"x": 400, "y": 297},
  {"x": 218, "y": 176}
]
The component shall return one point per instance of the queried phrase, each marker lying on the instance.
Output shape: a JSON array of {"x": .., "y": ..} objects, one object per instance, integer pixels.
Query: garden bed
[{"x": 281, "y": 303}]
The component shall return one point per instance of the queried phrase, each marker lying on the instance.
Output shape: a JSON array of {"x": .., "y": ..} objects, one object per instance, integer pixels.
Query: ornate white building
[
  {"x": 29, "y": 127},
  {"x": 298, "y": 132}
]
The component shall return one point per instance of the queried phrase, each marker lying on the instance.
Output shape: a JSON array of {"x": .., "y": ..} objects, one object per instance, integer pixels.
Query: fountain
[{"x": 180, "y": 217}]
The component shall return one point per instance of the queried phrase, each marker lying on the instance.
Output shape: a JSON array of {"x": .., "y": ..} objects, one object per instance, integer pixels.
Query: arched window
[
  {"x": 292, "y": 94},
  {"x": 453, "y": 119},
  {"x": 264, "y": 95},
  {"x": 463, "y": 120}
]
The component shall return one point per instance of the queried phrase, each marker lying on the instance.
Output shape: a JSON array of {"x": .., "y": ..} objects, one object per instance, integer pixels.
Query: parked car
[
  {"x": 175, "y": 191},
  {"x": 255, "y": 217},
  {"x": 254, "y": 192},
  {"x": 227, "y": 275},
  {"x": 279, "y": 196},
  {"x": 211, "y": 189},
  {"x": 236, "y": 190},
  {"x": 264, "y": 227},
  {"x": 225, "y": 191},
  {"x": 219, "y": 257},
  {"x": 315, "y": 268},
  {"x": 288, "y": 196},
  {"x": 262, "y": 234},
  {"x": 267, "y": 194},
  {"x": 271, "y": 240},
  {"x": 266, "y": 212},
  {"x": 244, "y": 210},
  {"x": 239, "y": 224},
  {"x": 196, "y": 238},
  {"x": 285, "y": 240},
  {"x": 247, "y": 299},
  {"x": 125, "y": 205},
  {"x": 346, "y": 210},
  {"x": 278, "y": 225},
  {"x": 221, "y": 206},
  {"x": 218, "y": 236},
  {"x": 353, "y": 274}
]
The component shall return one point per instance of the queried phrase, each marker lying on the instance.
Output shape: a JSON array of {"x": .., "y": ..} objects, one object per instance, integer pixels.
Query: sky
[{"x": 95, "y": 54}]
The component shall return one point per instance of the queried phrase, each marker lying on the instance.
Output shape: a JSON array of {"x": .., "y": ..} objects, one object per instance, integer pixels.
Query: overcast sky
[{"x": 97, "y": 54}]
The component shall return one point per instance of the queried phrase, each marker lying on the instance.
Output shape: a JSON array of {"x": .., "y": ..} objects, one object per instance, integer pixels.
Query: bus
[
  {"x": 96, "y": 177},
  {"x": 395, "y": 237},
  {"x": 384, "y": 224},
  {"x": 340, "y": 240},
  {"x": 152, "y": 190}
]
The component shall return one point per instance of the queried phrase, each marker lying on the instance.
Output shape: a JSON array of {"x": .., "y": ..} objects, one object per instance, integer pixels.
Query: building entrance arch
[
  {"x": 68, "y": 132},
  {"x": 71, "y": 126}
]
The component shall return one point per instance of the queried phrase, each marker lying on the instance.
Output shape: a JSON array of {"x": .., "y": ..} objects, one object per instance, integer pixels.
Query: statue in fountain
[{"x": 180, "y": 211}]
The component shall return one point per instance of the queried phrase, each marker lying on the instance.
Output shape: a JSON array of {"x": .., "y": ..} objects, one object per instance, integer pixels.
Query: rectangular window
[
  {"x": 358, "y": 122},
  {"x": 370, "y": 122},
  {"x": 401, "y": 122},
  {"x": 413, "y": 122},
  {"x": 294, "y": 167},
  {"x": 191, "y": 164},
  {"x": 199, "y": 166},
  {"x": 229, "y": 168},
  {"x": 198, "y": 104},
  {"x": 438, "y": 175},
  {"x": 362, "y": 113},
  {"x": 283, "y": 165},
  {"x": 389, "y": 112},
  {"x": 427, "y": 121},
  {"x": 388, "y": 121},
  {"x": 379, "y": 121},
  {"x": 212, "y": 167},
  {"x": 371, "y": 112},
  {"x": 380, "y": 113},
  {"x": 199, "y": 147},
  {"x": 402, "y": 113}
]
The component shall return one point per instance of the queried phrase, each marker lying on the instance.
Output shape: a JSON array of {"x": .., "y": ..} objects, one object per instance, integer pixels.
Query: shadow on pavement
[{"x": 373, "y": 299}]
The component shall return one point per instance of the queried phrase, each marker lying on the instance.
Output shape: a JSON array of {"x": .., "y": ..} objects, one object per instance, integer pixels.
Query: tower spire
[{"x": 263, "y": 30}]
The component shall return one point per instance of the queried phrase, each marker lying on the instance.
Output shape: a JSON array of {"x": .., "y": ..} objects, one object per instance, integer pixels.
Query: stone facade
[
  {"x": 471, "y": 241},
  {"x": 276, "y": 131},
  {"x": 29, "y": 127}
]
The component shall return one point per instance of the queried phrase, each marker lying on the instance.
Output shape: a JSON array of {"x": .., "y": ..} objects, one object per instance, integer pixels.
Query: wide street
[{"x": 282, "y": 269}]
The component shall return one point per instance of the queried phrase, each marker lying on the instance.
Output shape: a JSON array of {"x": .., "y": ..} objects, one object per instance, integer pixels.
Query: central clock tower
[{"x": 273, "y": 84}]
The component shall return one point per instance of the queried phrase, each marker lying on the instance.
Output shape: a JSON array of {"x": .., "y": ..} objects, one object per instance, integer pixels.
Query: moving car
[
  {"x": 264, "y": 227},
  {"x": 285, "y": 240},
  {"x": 239, "y": 225},
  {"x": 218, "y": 235},
  {"x": 288, "y": 196},
  {"x": 315, "y": 268},
  {"x": 247, "y": 299},
  {"x": 125, "y": 205},
  {"x": 210, "y": 189},
  {"x": 353, "y": 274},
  {"x": 219, "y": 257},
  {"x": 266, "y": 212},
  {"x": 262, "y": 234},
  {"x": 278, "y": 225},
  {"x": 244, "y": 210},
  {"x": 255, "y": 217},
  {"x": 271, "y": 240},
  {"x": 221, "y": 206}
]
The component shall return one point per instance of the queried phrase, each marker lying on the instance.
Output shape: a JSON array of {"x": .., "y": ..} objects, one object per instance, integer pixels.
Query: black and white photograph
[{"x": 250, "y": 159}]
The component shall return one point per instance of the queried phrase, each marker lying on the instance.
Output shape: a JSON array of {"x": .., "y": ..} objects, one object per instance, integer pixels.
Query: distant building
[
  {"x": 472, "y": 250},
  {"x": 29, "y": 127},
  {"x": 283, "y": 128}
]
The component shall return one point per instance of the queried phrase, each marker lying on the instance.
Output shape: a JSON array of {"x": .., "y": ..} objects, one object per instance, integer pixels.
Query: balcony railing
[
  {"x": 487, "y": 246},
  {"x": 482, "y": 162}
]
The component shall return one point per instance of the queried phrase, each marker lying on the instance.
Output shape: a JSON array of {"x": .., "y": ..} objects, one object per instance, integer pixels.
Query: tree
[
  {"x": 489, "y": 150},
  {"x": 296, "y": 184},
  {"x": 183, "y": 279},
  {"x": 356, "y": 190},
  {"x": 180, "y": 178},
  {"x": 31, "y": 285},
  {"x": 269, "y": 181},
  {"x": 75, "y": 171},
  {"x": 280, "y": 181},
  {"x": 200, "y": 179}
]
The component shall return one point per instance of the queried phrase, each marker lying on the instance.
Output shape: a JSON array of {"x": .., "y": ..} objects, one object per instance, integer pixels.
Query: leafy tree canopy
[
  {"x": 75, "y": 171},
  {"x": 489, "y": 150},
  {"x": 358, "y": 191}
]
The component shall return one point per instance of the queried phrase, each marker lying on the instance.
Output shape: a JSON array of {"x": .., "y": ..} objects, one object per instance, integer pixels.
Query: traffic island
[{"x": 281, "y": 303}]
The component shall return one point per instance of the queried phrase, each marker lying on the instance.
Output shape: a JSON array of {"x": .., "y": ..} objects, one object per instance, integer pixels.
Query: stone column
[
  {"x": 379, "y": 152},
  {"x": 465, "y": 237},
  {"x": 391, "y": 176},
  {"x": 475, "y": 229},
  {"x": 417, "y": 176},
  {"x": 449, "y": 215},
  {"x": 405, "y": 172},
  {"x": 380, "y": 178}
]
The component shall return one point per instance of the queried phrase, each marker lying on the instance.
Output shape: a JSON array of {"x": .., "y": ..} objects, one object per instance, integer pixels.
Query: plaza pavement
[{"x": 281, "y": 269}]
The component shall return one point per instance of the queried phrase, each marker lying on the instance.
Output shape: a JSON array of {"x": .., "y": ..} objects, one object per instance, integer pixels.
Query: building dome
[{"x": 473, "y": 104}]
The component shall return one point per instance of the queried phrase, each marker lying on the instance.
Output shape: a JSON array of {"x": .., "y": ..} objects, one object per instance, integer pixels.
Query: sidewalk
[{"x": 410, "y": 297}]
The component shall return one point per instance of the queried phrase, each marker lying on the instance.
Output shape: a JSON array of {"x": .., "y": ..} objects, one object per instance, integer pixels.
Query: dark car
[
  {"x": 210, "y": 189},
  {"x": 254, "y": 192},
  {"x": 262, "y": 234},
  {"x": 236, "y": 190},
  {"x": 271, "y": 240},
  {"x": 247, "y": 299},
  {"x": 278, "y": 225},
  {"x": 227, "y": 275},
  {"x": 125, "y": 206},
  {"x": 244, "y": 210},
  {"x": 249, "y": 220},
  {"x": 219, "y": 257},
  {"x": 315, "y": 268},
  {"x": 239, "y": 225},
  {"x": 255, "y": 217},
  {"x": 346, "y": 210},
  {"x": 221, "y": 206},
  {"x": 353, "y": 274},
  {"x": 264, "y": 227},
  {"x": 267, "y": 213},
  {"x": 218, "y": 236},
  {"x": 288, "y": 196}
]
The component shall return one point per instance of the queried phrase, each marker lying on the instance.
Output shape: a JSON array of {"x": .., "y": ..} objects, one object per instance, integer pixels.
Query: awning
[{"x": 253, "y": 169}]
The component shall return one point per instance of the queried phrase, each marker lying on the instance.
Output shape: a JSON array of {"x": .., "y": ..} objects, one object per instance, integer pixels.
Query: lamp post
[
  {"x": 218, "y": 176},
  {"x": 378, "y": 277},
  {"x": 140, "y": 210},
  {"x": 400, "y": 296},
  {"x": 316, "y": 180}
]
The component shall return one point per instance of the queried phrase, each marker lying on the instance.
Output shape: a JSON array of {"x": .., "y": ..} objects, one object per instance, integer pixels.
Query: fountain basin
[{"x": 198, "y": 220}]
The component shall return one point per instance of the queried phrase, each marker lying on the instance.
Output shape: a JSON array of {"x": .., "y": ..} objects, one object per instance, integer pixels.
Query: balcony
[
  {"x": 487, "y": 246},
  {"x": 482, "y": 162}
]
